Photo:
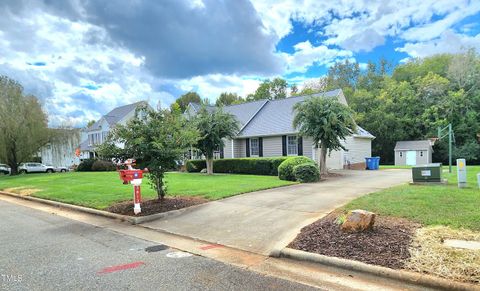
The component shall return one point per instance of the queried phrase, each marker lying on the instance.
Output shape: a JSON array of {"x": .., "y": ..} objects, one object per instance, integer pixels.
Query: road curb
[
  {"x": 132, "y": 220},
  {"x": 399, "y": 275}
]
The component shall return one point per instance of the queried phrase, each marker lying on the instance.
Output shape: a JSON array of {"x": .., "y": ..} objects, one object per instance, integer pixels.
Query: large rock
[{"x": 358, "y": 220}]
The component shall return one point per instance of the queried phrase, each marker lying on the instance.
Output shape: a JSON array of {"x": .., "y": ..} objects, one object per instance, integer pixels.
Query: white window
[
  {"x": 254, "y": 147},
  {"x": 292, "y": 145}
]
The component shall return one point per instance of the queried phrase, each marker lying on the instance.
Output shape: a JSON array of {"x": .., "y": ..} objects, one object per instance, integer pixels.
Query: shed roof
[{"x": 413, "y": 145}]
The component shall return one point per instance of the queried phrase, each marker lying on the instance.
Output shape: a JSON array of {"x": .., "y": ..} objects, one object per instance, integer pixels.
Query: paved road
[
  {"x": 263, "y": 221},
  {"x": 41, "y": 251}
]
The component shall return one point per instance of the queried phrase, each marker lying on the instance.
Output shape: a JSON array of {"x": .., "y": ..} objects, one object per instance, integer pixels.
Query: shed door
[{"x": 411, "y": 158}]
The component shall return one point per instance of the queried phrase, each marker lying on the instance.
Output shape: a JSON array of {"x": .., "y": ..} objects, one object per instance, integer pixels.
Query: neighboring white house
[
  {"x": 70, "y": 146},
  {"x": 98, "y": 132},
  {"x": 267, "y": 131}
]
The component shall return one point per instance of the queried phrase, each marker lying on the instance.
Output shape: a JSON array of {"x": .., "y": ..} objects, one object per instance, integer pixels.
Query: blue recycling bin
[{"x": 372, "y": 163}]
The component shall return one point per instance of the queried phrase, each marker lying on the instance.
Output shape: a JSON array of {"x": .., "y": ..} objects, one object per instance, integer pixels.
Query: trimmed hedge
[
  {"x": 103, "y": 166},
  {"x": 95, "y": 165},
  {"x": 306, "y": 173},
  {"x": 285, "y": 170},
  {"x": 254, "y": 166},
  {"x": 85, "y": 165}
]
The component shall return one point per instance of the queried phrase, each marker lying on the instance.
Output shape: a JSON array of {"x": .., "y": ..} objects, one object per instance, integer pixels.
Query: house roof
[
  {"x": 274, "y": 117},
  {"x": 413, "y": 145},
  {"x": 117, "y": 114}
]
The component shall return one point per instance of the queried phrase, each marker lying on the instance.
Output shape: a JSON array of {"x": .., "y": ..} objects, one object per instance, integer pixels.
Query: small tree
[
  {"x": 327, "y": 122},
  {"x": 213, "y": 127},
  {"x": 158, "y": 141},
  {"x": 23, "y": 124}
]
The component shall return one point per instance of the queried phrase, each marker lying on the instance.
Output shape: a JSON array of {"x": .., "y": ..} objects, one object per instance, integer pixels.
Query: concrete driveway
[{"x": 266, "y": 221}]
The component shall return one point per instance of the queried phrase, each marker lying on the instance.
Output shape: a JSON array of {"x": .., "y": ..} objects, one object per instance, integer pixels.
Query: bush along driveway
[
  {"x": 101, "y": 190},
  {"x": 428, "y": 229}
]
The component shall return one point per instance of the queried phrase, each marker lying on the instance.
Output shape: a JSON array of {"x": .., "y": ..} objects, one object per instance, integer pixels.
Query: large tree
[
  {"x": 157, "y": 141},
  {"x": 214, "y": 126},
  {"x": 228, "y": 99},
  {"x": 327, "y": 122},
  {"x": 23, "y": 124},
  {"x": 270, "y": 89},
  {"x": 187, "y": 98}
]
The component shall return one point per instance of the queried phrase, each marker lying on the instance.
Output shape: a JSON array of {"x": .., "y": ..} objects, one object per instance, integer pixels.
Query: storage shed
[{"x": 413, "y": 152}]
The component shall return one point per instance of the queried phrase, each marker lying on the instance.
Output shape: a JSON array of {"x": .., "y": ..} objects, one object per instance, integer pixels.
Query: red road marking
[
  {"x": 207, "y": 247},
  {"x": 120, "y": 267}
]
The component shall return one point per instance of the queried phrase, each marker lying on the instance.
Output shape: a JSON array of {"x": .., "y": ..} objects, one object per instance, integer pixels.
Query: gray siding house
[
  {"x": 266, "y": 130},
  {"x": 413, "y": 152},
  {"x": 97, "y": 133}
]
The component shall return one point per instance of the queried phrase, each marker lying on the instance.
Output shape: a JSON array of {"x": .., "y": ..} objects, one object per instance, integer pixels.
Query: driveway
[{"x": 266, "y": 221}]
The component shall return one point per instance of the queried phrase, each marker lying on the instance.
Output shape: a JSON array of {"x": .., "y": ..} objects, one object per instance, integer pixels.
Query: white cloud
[
  {"x": 307, "y": 55},
  {"x": 211, "y": 86},
  {"x": 448, "y": 42}
]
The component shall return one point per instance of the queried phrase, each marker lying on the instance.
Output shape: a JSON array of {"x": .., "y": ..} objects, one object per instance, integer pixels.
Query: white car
[
  {"x": 5, "y": 169},
  {"x": 61, "y": 169},
  {"x": 35, "y": 168}
]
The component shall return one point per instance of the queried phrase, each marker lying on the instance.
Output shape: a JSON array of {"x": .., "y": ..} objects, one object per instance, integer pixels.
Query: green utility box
[{"x": 427, "y": 173}]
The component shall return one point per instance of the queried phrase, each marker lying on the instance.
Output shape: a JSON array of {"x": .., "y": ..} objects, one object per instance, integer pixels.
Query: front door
[{"x": 411, "y": 158}]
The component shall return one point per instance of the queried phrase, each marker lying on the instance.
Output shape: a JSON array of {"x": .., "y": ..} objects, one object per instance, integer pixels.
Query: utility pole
[{"x": 451, "y": 139}]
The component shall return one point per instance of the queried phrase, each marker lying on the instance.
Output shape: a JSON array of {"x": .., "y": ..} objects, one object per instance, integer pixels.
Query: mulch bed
[
  {"x": 386, "y": 245},
  {"x": 156, "y": 206}
]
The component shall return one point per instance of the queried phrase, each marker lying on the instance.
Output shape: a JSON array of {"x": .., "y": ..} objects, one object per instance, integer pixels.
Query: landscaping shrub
[
  {"x": 195, "y": 166},
  {"x": 85, "y": 165},
  {"x": 285, "y": 170},
  {"x": 103, "y": 166},
  {"x": 306, "y": 173},
  {"x": 254, "y": 166}
]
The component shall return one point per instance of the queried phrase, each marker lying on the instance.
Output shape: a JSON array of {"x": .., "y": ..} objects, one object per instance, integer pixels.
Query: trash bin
[{"x": 372, "y": 163}]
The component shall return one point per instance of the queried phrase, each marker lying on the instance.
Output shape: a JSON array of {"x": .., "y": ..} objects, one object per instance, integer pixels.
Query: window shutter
[
  {"x": 284, "y": 145},
  {"x": 222, "y": 152},
  {"x": 260, "y": 146},
  {"x": 300, "y": 145},
  {"x": 247, "y": 143}
]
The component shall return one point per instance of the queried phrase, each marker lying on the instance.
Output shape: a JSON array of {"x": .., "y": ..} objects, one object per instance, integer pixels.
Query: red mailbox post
[{"x": 134, "y": 177}]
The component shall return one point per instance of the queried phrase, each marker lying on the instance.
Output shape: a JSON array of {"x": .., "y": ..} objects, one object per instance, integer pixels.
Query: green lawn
[
  {"x": 101, "y": 189},
  {"x": 429, "y": 205}
]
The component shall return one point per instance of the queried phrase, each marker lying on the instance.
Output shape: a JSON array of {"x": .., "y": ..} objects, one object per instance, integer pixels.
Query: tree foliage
[
  {"x": 158, "y": 142},
  {"x": 213, "y": 127},
  {"x": 187, "y": 98},
  {"x": 327, "y": 122},
  {"x": 270, "y": 89},
  {"x": 413, "y": 100},
  {"x": 226, "y": 99},
  {"x": 23, "y": 124}
]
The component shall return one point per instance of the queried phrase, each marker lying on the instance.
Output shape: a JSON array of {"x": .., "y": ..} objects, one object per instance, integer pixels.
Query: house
[
  {"x": 98, "y": 132},
  {"x": 413, "y": 152},
  {"x": 266, "y": 130}
]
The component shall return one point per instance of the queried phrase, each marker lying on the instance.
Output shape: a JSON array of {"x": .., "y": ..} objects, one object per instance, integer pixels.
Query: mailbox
[{"x": 134, "y": 177}]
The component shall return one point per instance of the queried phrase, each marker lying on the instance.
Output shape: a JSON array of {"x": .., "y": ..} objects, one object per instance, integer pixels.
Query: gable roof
[
  {"x": 117, "y": 114},
  {"x": 413, "y": 145},
  {"x": 274, "y": 117}
]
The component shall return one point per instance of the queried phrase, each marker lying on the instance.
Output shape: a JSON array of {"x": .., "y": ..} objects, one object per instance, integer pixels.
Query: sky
[{"x": 82, "y": 58}]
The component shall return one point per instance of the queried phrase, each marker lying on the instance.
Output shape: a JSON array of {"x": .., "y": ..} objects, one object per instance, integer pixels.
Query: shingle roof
[
  {"x": 276, "y": 116},
  {"x": 413, "y": 145},
  {"x": 116, "y": 115},
  {"x": 273, "y": 117}
]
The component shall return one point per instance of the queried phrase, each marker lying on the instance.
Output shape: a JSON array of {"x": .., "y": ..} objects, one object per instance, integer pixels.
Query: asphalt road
[{"x": 41, "y": 251}]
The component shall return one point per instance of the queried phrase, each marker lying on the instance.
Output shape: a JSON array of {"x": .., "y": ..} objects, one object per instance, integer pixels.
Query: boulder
[{"x": 358, "y": 220}]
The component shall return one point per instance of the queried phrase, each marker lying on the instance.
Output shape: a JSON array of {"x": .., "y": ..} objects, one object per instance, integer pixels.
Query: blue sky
[{"x": 84, "y": 58}]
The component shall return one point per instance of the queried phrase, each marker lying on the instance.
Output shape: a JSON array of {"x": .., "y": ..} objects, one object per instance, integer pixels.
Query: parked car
[
  {"x": 5, "y": 169},
  {"x": 35, "y": 168},
  {"x": 62, "y": 169}
]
